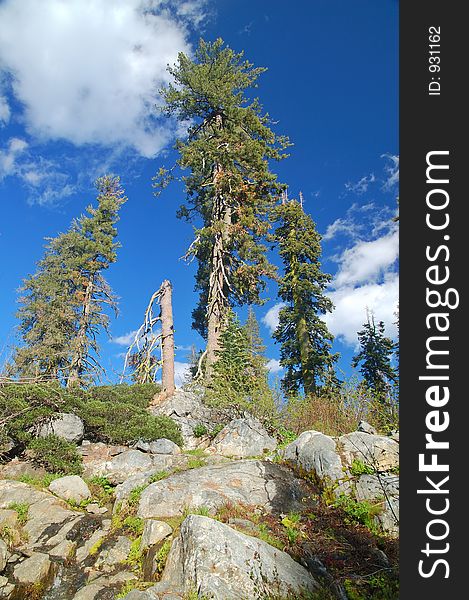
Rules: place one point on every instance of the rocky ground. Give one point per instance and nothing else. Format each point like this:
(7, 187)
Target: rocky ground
(226, 517)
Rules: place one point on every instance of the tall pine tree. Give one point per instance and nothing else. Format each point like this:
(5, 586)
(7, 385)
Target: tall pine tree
(229, 185)
(304, 337)
(63, 306)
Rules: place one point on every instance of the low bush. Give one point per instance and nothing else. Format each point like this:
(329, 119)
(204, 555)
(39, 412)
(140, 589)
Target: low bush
(112, 413)
(56, 455)
(123, 422)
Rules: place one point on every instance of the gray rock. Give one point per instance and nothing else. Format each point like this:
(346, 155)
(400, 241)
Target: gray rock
(365, 427)
(224, 564)
(383, 489)
(45, 519)
(154, 532)
(124, 465)
(17, 468)
(315, 453)
(379, 452)
(64, 550)
(249, 482)
(6, 588)
(70, 487)
(8, 518)
(139, 595)
(114, 555)
(4, 555)
(66, 426)
(161, 446)
(92, 543)
(89, 592)
(242, 438)
(34, 569)
(187, 410)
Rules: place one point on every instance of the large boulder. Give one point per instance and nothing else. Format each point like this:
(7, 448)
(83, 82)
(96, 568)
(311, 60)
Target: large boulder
(154, 532)
(123, 465)
(161, 446)
(188, 411)
(64, 425)
(242, 438)
(376, 451)
(224, 564)
(257, 482)
(315, 454)
(70, 487)
(382, 489)
(46, 514)
(33, 570)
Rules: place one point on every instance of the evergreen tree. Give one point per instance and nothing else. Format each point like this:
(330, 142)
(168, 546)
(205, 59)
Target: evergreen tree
(251, 327)
(63, 303)
(374, 357)
(240, 377)
(229, 187)
(98, 251)
(305, 340)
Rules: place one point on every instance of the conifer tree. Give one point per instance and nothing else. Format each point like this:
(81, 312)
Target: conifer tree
(229, 185)
(304, 337)
(374, 357)
(63, 306)
(240, 375)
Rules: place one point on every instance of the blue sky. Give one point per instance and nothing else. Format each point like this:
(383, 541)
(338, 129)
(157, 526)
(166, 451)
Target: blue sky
(78, 87)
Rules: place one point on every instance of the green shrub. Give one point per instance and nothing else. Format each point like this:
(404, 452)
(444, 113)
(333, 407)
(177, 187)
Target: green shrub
(200, 430)
(138, 394)
(112, 414)
(358, 467)
(56, 455)
(359, 512)
(120, 423)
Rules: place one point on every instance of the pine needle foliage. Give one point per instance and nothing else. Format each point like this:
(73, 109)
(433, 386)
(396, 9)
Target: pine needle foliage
(304, 337)
(63, 305)
(240, 380)
(229, 185)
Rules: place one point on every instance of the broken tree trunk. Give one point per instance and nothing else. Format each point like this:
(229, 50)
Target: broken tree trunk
(167, 339)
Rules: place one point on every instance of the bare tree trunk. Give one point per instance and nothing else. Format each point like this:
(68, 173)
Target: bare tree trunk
(78, 356)
(167, 339)
(218, 303)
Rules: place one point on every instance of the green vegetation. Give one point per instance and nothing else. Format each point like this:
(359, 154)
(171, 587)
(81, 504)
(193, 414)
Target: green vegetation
(56, 455)
(21, 510)
(229, 187)
(161, 557)
(62, 307)
(363, 512)
(239, 380)
(305, 340)
(112, 414)
(134, 525)
(358, 468)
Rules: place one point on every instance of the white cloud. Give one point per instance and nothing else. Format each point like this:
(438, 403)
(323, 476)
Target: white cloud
(352, 303)
(181, 373)
(88, 71)
(124, 340)
(270, 319)
(273, 366)
(366, 262)
(9, 157)
(361, 186)
(45, 182)
(4, 111)
(392, 171)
